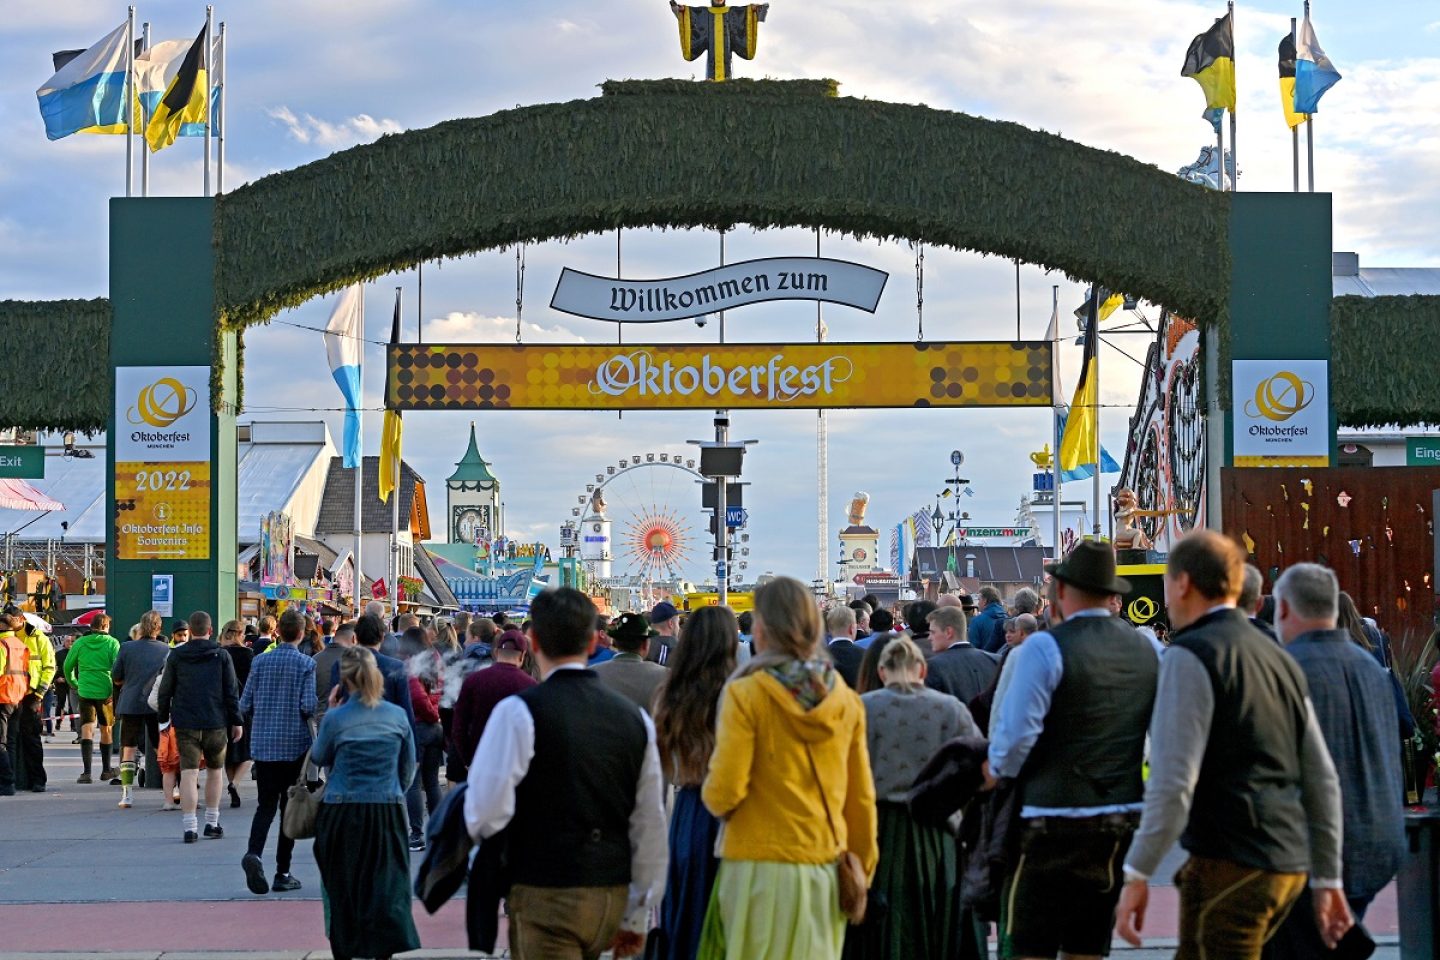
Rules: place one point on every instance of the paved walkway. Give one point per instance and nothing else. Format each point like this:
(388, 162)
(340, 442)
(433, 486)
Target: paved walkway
(80, 877)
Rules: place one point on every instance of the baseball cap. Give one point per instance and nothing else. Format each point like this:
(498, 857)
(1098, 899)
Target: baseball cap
(664, 610)
(513, 640)
(179, 625)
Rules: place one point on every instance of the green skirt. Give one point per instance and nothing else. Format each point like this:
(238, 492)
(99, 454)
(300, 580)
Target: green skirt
(912, 905)
(761, 910)
(365, 879)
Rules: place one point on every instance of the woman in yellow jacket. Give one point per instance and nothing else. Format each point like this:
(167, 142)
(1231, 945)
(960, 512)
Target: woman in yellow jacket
(790, 778)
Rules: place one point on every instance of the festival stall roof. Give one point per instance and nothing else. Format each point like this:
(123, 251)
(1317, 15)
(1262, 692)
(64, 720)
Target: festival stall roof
(993, 565)
(284, 468)
(1351, 279)
(337, 507)
(79, 484)
(439, 593)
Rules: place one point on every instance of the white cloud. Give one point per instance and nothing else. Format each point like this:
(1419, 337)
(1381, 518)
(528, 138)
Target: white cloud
(308, 128)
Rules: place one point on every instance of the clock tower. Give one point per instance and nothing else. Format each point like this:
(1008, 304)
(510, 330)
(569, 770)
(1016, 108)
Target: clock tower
(472, 499)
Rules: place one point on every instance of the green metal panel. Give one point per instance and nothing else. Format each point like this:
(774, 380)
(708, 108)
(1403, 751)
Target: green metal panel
(162, 270)
(1280, 284)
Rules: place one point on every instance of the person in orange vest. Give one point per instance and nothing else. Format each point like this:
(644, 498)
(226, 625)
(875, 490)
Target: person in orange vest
(14, 686)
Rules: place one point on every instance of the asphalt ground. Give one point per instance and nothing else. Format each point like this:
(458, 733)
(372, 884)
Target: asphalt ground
(80, 877)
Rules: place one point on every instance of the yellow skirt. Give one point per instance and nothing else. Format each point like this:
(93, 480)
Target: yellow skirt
(760, 910)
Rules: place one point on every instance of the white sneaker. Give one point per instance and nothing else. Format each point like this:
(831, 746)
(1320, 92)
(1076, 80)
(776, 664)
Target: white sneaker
(125, 802)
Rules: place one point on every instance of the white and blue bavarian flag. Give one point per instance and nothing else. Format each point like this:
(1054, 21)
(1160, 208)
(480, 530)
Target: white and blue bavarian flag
(87, 92)
(1314, 73)
(344, 342)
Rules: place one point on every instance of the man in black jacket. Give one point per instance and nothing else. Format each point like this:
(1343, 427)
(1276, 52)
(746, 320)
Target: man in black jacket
(840, 625)
(199, 695)
(957, 667)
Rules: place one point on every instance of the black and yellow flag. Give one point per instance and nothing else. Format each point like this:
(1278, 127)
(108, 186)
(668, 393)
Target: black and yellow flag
(392, 431)
(1287, 82)
(1210, 61)
(1080, 444)
(186, 100)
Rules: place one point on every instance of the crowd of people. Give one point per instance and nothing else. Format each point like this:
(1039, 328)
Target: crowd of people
(801, 781)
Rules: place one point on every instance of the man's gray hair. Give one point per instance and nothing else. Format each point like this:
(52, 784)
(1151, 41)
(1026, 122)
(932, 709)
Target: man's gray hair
(1026, 624)
(1311, 591)
(1025, 601)
(1250, 586)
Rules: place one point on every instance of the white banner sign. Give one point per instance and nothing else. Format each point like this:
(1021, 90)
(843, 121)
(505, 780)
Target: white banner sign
(723, 288)
(1282, 413)
(162, 414)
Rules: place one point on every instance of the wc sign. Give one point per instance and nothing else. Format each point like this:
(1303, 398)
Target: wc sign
(1422, 452)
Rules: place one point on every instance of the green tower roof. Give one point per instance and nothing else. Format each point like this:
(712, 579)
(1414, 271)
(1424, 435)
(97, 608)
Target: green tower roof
(472, 467)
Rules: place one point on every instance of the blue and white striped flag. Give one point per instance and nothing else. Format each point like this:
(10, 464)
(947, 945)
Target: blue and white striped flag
(344, 345)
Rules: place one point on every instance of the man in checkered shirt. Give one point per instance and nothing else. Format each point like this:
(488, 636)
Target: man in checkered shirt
(278, 702)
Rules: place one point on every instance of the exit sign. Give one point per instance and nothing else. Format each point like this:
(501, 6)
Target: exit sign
(1422, 452)
(22, 463)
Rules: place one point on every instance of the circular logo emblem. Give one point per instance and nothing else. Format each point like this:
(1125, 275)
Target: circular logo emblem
(162, 403)
(1141, 610)
(1280, 397)
(860, 553)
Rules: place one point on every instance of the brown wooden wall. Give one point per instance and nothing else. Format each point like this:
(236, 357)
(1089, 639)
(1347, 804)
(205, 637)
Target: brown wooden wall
(1380, 542)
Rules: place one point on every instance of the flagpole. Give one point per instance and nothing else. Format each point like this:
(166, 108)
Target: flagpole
(1220, 151)
(130, 104)
(1234, 156)
(1056, 400)
(224, 126)
(145, 117)
(359, 461)
(1095, 319)
(1294, 131)
(394, 583)
(1309, 124)
(209, 74)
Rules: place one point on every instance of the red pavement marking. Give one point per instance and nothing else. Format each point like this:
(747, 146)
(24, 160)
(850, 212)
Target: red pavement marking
(261, 925)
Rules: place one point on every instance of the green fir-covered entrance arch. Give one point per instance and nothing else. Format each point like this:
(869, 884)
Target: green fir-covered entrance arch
(681, 154)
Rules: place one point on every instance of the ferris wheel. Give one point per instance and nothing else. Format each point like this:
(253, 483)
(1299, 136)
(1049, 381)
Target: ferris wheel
(635, 517)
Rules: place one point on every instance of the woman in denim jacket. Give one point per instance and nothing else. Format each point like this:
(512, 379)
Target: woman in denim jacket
(360, 834)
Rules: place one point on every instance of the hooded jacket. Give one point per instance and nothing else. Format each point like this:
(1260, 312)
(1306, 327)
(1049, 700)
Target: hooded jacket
(763, 784)
(87, 665)
(198, 689)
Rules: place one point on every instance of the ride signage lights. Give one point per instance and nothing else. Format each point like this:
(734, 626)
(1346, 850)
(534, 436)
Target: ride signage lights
(723, 288)
(711, 376)
(1282, 413)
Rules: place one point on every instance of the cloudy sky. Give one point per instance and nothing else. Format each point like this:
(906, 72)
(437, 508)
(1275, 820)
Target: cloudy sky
(308, 77)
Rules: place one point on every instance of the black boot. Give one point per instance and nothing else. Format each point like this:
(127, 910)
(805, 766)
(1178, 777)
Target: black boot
(87, 756)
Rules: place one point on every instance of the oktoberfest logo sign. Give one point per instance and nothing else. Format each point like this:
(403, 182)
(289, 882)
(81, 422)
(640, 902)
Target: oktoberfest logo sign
(710, 376)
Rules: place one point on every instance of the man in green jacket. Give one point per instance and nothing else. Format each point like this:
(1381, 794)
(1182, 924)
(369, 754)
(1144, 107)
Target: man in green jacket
(87, 668)
(26, 732)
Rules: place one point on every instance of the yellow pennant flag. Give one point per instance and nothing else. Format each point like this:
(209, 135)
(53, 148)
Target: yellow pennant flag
(1080, 443)
(389, 477)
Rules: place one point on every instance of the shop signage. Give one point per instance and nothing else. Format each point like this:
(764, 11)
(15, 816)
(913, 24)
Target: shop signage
(1422, 452)
(1281, 413)
(971, 532)
(710, 376)
(723, 288)
(22, 463)
(162, 463)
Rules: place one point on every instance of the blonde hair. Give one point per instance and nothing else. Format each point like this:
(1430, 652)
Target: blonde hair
(361, 676)
(135, 632)
(151, 624)
(901, 657)
(788, 617)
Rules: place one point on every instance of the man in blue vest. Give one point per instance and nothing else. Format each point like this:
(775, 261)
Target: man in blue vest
(1239, 764)
(570, 769)
(1070, 730)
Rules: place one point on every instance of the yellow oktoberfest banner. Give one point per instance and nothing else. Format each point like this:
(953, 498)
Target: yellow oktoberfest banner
(710, 376)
